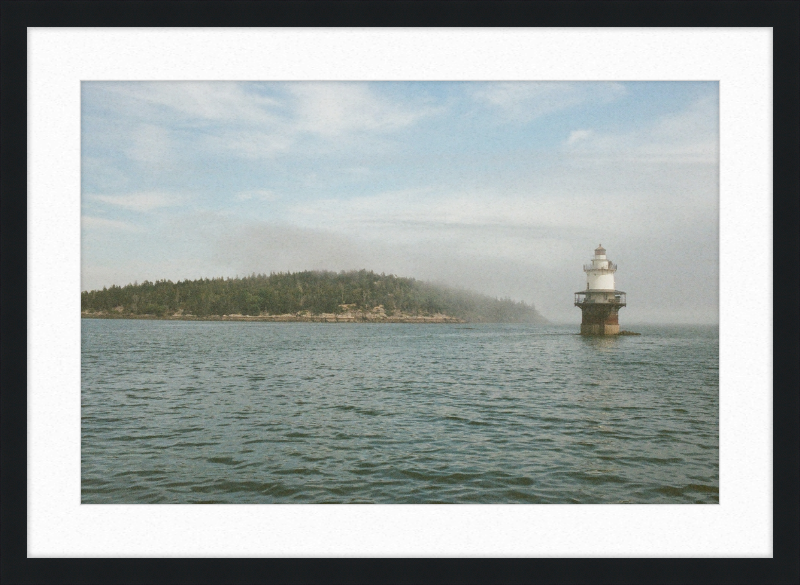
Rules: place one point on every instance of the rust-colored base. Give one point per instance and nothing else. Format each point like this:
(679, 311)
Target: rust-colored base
(600, 319)
(599, 329)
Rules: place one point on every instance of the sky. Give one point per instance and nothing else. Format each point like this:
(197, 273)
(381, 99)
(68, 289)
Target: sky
(504, 188)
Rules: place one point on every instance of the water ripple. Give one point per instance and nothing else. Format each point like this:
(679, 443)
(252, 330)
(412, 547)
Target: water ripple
(217, 412)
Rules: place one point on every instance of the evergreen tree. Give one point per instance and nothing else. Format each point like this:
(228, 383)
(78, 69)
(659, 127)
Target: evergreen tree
(314, 292)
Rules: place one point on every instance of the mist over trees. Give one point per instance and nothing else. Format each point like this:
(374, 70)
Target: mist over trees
(313, 291)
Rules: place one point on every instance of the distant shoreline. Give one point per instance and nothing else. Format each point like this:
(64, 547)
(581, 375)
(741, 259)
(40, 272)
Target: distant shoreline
(366, 317)
(311, 296)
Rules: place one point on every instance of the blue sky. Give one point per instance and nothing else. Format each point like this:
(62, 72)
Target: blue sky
(504, 188)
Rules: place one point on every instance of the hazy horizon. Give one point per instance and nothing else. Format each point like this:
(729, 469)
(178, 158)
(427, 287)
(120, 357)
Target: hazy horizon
(501, 188)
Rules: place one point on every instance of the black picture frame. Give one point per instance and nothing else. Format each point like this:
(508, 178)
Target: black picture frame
(783, 17)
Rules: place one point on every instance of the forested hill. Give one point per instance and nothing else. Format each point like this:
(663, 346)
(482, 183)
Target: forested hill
(297, 293)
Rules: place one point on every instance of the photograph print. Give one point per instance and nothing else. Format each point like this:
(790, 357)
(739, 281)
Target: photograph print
(399, 292)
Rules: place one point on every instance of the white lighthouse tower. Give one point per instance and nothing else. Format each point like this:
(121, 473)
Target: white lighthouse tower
(601, 301)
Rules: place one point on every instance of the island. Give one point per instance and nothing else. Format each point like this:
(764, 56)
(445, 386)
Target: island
(313, 296)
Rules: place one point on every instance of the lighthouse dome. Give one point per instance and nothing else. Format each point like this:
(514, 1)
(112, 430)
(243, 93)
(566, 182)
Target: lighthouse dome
(600, 250)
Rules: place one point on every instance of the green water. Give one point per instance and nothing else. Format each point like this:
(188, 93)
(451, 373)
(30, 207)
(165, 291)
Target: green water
(190, 412)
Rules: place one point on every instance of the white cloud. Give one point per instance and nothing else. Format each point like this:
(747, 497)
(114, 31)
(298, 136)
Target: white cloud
(204, 100)
(146, 201)
(251, 144)
(578, 135)
(525, 101)
(473, 218)
(90, 222)
(239, 118)
(257, 194)
(690, 136)
(327, 110)
(332, 109)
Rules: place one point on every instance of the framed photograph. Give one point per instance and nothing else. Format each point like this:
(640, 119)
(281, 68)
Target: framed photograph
(403, 334)
(404, 292)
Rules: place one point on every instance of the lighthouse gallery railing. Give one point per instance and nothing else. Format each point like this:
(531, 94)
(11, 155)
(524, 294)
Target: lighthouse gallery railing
(581, 298)
(611, 267)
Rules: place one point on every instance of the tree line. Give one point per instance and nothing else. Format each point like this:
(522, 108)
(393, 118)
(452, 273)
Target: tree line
(314, 291)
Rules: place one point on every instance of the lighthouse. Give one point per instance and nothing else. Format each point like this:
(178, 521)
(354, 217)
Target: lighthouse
(601, 301)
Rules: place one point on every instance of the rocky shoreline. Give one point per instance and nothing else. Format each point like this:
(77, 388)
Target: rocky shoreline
(374, 316)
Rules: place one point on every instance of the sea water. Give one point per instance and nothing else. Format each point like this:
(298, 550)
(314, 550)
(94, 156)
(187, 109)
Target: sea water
(236, 412)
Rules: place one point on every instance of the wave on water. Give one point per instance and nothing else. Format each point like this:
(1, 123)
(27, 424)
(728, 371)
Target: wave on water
(209, 412)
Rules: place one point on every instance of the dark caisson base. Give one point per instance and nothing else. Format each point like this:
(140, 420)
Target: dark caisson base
(599, 329)
(600, 319)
